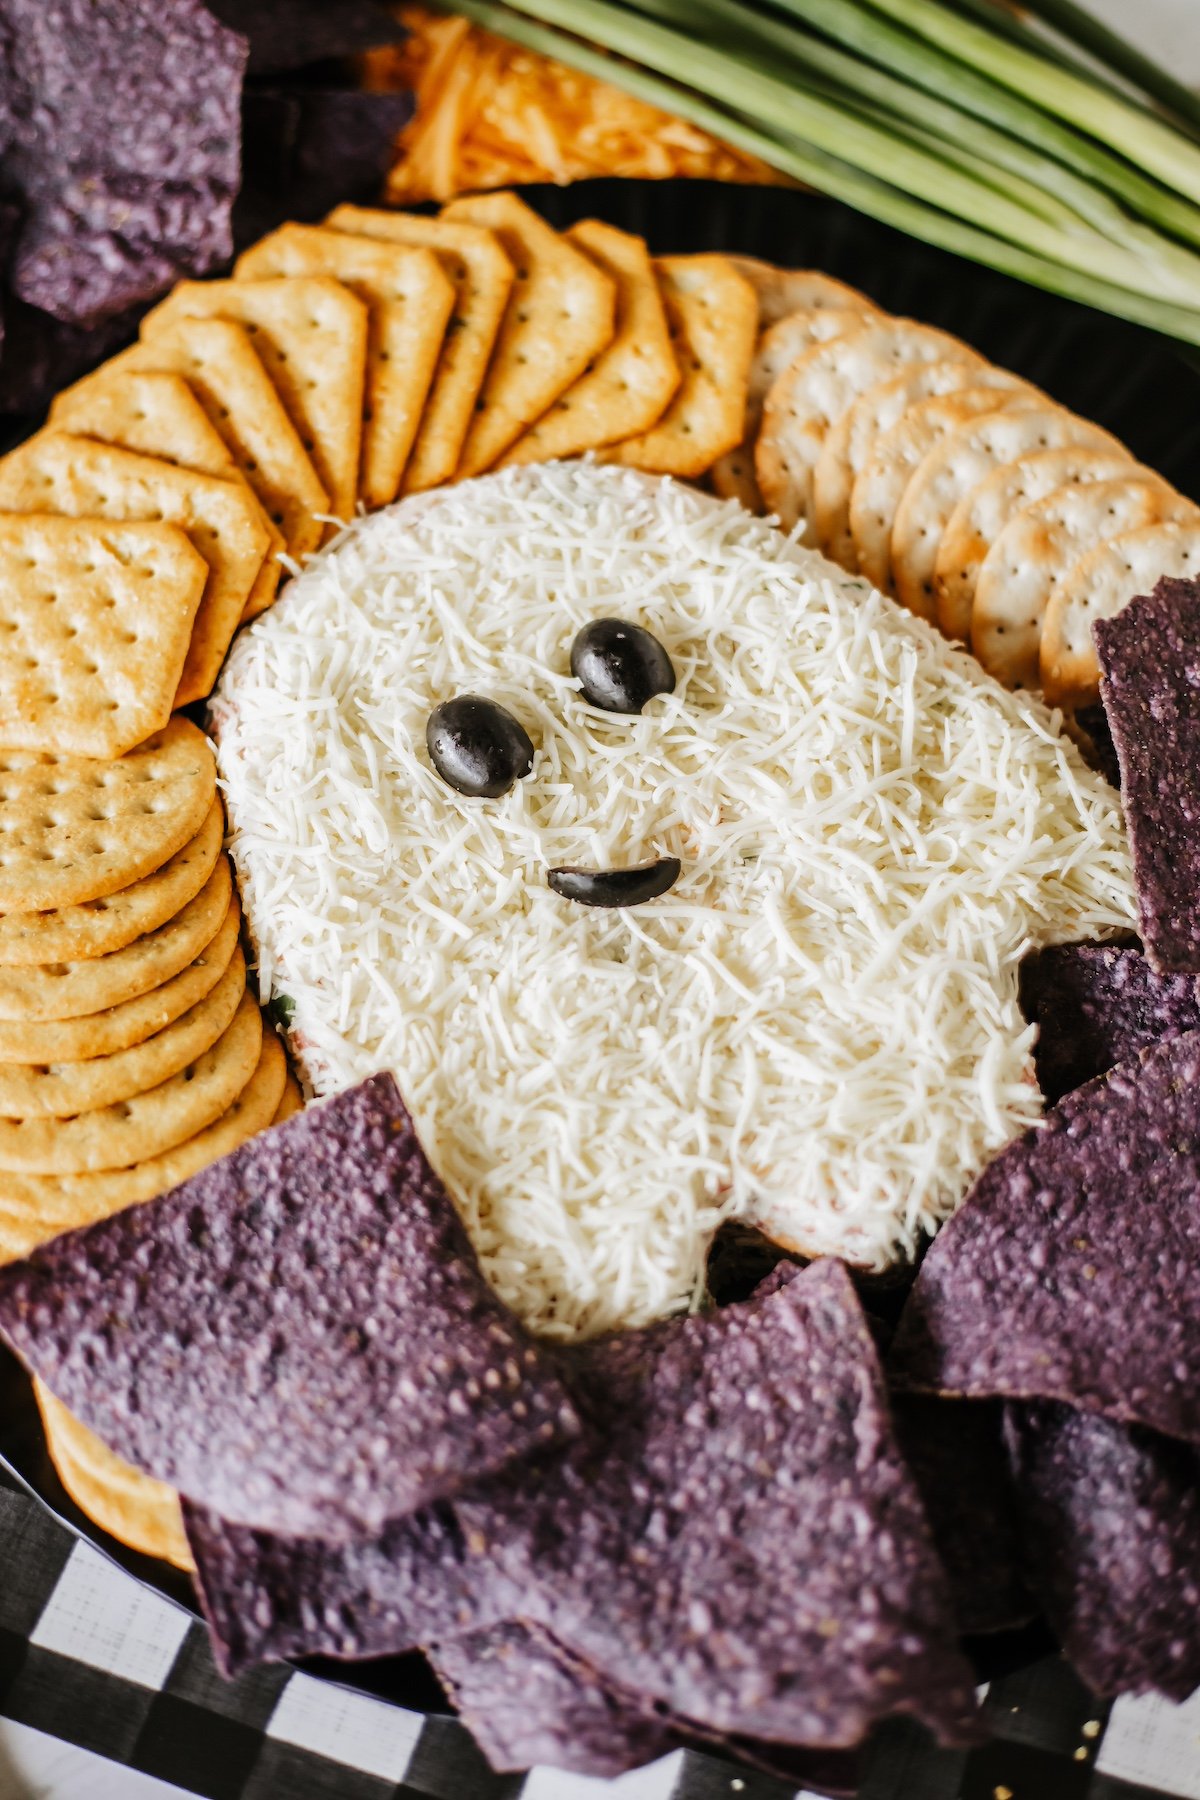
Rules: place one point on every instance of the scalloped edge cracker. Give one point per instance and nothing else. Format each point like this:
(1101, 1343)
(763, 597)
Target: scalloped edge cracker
(1100, 586)
(713, 315)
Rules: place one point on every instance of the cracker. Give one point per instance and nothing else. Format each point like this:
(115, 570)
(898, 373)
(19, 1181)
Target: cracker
(949, 472)
(811, 396)
(1037, 547)
(36, 1208)
(712, 316)
(99, 1034)
(76, 829)
(409, 300)
(879, 488)
(981, 515)
(96, 620)
(783, 291)
(70, 990)
(78, 477)
(482, 276)
(217, 359)
(292, 1101)
(628, 386)
(93, 928)
(310, 334)
(1100, 586)
(559, 317)
(779, 345)
(60, 1090)
(134, 1130)
(851, 441)
(131, 1507)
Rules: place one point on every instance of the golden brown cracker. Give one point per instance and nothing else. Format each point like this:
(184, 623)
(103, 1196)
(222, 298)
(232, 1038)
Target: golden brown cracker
(81, 478)
(409, 300)
(134, 1508)
(95, 623)
(75, 829)
(35, 1208)
(102, 1033)
(559, 317)
(628, 386)
(292, 1101)
(310, 333)
(712, 313)
(482, 276)
(95, 927)
(62, 1089)
(145, 1125)
(71, 990)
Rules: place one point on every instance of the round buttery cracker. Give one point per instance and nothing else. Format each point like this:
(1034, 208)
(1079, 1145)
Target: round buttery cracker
(811, 396)
(98, 927)
(850, 443)
(73, 829)
(1038, 547)
(117, 1027)
(981, 515)
(131, 1507)
(134, 1130)
(732, 475)
(879, 488)
(783, 291)
(70, 990)
(36, 1208)
(292, 1102)
(1099, 586)
(63, 1089)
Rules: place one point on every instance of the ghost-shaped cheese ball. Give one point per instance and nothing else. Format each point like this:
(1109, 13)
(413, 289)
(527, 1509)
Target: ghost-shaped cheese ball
(815, 1029)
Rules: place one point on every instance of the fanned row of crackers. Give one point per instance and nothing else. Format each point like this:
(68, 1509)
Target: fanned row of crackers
(341, 365)
(955, 486)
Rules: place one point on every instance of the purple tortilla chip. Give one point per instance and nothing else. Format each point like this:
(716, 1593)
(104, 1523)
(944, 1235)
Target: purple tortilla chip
(1112, 1537)
(1150, 685)
(1072, 1271)
(738, 1540)
(286, 34)
(298, 1337)
(526, 1701)
(955, 1451)
(1099, 751)
(125, 148)
(1096, 1005)
(309, 148)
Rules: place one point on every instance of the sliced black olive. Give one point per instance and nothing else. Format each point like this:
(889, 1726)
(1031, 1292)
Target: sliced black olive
(616, 887)
(477, 747)
(620, 666)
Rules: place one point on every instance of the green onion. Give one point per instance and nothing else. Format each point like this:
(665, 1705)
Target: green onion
(922, 140)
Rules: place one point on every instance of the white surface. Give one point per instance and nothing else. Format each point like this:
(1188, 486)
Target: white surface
(36, 1767)
(1154, 1744)
(1168, 30)
(98, 1616)
(326, 1720)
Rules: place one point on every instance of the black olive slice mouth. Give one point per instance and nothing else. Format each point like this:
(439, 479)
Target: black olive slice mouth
(616, 887)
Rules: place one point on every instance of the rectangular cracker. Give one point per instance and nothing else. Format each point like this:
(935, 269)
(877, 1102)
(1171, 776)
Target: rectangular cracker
(713, 315)
(409, 300)
(102, 614)
(483, 278)
(311, 335)
(79, 478)
(559, 317)
(157, 414)
(629, 385)
(217, 359)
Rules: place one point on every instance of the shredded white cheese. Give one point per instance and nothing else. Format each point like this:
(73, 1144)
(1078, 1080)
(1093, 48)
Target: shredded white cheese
(816, 1029)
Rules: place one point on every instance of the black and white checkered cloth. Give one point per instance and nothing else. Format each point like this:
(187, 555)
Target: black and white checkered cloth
(91, 1656)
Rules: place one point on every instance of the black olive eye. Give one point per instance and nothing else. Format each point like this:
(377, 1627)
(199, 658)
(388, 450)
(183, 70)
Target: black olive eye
(477, 747)
(619, 666)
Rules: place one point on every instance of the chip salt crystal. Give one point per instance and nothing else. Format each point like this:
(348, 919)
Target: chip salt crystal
(816, 1029)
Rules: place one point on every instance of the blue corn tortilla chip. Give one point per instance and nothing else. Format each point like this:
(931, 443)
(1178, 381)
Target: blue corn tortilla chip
(307, 148)
(1149, 659)
(124, 148)
(287, 34)
(1096, 742)
(1111, 1531)
(1072, 1271)
(299, 1337)
(955, 1452)
(737, 1538)
(1096, 1005)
